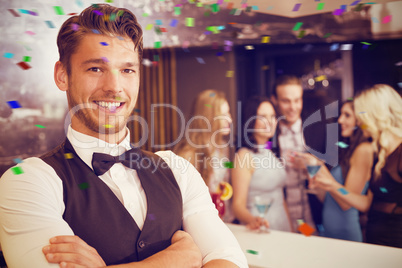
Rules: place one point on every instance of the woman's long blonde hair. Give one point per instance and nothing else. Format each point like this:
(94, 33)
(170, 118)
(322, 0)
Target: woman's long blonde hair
(207, 105)
(379, 109)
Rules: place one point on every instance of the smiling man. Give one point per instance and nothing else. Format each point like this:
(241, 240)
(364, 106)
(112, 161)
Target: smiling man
(88, 203)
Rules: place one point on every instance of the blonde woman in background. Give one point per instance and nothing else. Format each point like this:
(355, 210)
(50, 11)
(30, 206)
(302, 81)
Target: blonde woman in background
(379, 113)
(206, 141)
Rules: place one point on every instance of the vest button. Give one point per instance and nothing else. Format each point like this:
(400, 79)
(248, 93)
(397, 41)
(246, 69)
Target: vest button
(141, 244)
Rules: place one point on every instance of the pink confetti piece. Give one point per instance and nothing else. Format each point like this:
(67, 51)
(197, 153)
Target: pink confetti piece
(386, 19)
(30, 32)
(75, 26)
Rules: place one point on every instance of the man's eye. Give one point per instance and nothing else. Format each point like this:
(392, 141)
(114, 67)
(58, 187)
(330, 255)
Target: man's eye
(94, 69)
(128, 71)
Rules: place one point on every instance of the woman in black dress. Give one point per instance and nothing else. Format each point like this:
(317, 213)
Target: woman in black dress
(379, 113)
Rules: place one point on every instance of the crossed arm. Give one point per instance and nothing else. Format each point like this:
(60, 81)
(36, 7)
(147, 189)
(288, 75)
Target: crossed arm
(73, 252)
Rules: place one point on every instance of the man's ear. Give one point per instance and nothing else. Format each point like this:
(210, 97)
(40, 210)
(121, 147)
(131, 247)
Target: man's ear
(60, 76)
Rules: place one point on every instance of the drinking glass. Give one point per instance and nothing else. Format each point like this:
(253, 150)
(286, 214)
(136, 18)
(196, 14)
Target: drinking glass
(263, 203)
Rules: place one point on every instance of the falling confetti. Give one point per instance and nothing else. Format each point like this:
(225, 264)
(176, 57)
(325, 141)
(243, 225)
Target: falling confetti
(14, 104)
(104, 43)
(229, 73)
(268, 145)
(338, 12)
(50, 24)
(58, 10)
(108, 126)
(40, 126)
(8, 55)
(95, 31)
(68, 156)
(320, 6)
(158, 44)
(75, 27)
(306, 229)
(249, 47)
(254, 252)
(17, 170)
(386, 19)
(200, 60)
(83, 185)
(15, 13)
(384, 190)
(265, 39)
(342, 144)
(17, 160)
(26, 59)
(104, 59)
(296, 7)
(208, 105)
(343, 191)
(190, 22)
(228, 164)
(297, 26)
(97, 12)
(24, 65)
(174, 22)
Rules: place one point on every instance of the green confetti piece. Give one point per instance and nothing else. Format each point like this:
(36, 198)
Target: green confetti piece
(26, 58)
(215, 8)
(320, 6)
(156, 57)
(145, 14)
(228, 164)
(365, 43)
(297, 26)
(350, 99)
(83, 185)
(190, 22)
(158, 44)
(177, 10)
(300, 222)
(109, 1)
(149, 27)
(327, 35)
(254, 252)
(58, 10)
(40, 126)
(199, 4)
(208, 105)
(17, 170)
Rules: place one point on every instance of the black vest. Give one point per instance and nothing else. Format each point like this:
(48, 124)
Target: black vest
(98, 217)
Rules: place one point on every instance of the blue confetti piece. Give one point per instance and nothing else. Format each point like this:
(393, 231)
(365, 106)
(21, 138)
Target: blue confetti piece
(104, 43)
(8, 55)
(174, 22)
(342, 144)
(334, 47)
(14, 104)
(158, 22)
(23, 11)
(255, 7)
(343, 191)
(384, 190)
(355, 3)
(343, 7)
(17, 160)
(50, 24)
(200, 60)
(95, 31)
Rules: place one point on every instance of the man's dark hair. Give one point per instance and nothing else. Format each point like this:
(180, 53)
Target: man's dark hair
(100, 19)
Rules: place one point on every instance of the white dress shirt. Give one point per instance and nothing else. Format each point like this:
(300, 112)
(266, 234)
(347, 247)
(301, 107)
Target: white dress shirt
(32, 207)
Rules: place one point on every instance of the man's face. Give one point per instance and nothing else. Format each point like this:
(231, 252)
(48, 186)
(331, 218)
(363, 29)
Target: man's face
(290, 102)
(105, 80)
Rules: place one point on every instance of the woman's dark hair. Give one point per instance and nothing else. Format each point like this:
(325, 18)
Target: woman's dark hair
(353, 141)
(249, 113)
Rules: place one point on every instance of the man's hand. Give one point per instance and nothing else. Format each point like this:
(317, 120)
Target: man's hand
(72, 252)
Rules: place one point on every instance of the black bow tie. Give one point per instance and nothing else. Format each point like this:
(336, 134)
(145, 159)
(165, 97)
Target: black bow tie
(101, 163)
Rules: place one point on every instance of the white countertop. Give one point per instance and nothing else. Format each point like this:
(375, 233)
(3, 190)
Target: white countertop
(289, 250)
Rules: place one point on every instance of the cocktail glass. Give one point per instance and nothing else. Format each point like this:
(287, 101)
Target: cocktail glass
(262, 204)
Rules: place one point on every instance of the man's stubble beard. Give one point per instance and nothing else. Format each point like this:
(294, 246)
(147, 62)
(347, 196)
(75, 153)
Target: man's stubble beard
(84, 116)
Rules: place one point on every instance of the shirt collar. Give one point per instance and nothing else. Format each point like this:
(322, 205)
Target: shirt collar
(85, 145)
(295, 128)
